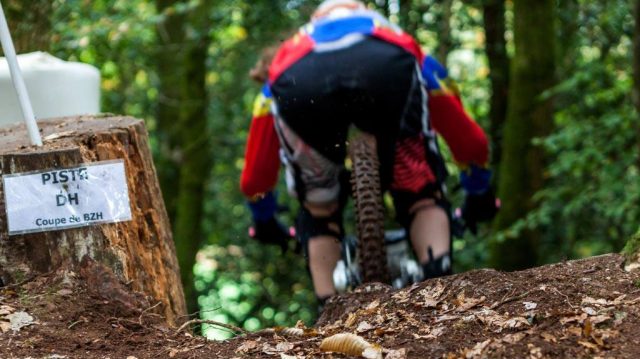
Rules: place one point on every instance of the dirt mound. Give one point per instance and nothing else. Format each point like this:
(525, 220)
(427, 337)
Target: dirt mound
(586, 308)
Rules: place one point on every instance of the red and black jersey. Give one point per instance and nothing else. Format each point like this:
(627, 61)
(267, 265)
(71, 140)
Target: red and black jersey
(447, 117)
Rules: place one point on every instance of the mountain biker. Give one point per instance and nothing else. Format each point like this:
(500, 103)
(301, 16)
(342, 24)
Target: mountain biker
(350, 65)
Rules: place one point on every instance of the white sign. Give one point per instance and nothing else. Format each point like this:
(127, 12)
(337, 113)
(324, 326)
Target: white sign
(65, 198)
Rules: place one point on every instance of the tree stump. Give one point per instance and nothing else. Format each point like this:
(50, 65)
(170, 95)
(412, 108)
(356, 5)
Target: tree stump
(139, 251)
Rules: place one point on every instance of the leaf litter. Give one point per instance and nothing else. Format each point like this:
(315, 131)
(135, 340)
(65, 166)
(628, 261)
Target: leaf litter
(542, 312)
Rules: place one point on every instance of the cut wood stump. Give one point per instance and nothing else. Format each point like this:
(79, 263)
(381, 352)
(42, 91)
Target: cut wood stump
(140, 252)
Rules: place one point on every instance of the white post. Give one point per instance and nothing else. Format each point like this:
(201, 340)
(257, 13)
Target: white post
(18, 81)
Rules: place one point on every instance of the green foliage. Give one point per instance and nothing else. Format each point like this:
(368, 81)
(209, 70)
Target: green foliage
(589, 206)
(632, 247)
(116, 37)
(261, 287)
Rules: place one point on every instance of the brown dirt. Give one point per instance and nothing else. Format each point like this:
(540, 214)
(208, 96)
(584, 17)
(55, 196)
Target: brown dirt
(577, 309)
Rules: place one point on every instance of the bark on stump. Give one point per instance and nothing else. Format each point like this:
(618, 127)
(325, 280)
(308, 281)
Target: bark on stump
(140, 251)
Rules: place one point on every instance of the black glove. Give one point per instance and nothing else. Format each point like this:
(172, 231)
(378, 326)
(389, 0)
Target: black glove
(271, 231)
(479, 208)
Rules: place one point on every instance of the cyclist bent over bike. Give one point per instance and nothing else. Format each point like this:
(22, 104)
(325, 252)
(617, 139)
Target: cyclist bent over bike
(350, 65)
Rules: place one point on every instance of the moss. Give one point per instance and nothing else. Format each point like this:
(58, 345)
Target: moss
(632, 247)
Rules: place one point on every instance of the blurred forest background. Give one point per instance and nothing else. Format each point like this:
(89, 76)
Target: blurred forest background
(552, 82)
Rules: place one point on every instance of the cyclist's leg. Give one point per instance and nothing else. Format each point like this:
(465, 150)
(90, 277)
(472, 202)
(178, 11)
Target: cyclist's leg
(418, 197)
(430, 234)
(425, 215)
(317, 183)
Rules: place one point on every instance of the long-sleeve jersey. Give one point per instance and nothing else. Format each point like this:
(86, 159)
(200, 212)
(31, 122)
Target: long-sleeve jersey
(467, 141)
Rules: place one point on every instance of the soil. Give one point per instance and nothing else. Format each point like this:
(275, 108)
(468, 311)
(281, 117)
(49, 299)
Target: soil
(576, 309)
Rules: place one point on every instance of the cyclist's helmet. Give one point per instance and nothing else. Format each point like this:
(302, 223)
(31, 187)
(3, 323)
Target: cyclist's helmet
(336, 8)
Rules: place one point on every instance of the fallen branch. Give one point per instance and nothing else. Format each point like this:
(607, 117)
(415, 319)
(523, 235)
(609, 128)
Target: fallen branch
(199, 312)
(233, 328)
(510, 299)
(146, 310)
(76, 322)
(566, 297)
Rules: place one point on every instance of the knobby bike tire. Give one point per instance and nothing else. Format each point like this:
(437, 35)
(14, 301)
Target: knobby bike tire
(367, 195)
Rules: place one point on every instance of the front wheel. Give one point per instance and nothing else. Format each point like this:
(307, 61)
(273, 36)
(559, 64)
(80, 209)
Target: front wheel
(369, 208)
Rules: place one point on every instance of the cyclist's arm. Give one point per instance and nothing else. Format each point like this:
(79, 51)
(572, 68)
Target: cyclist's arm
(465, 138)
(260, 172)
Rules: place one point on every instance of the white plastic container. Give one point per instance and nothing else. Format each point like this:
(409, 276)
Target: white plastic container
(56, 88)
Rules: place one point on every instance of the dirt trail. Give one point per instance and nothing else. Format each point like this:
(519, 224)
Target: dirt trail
(576, 309)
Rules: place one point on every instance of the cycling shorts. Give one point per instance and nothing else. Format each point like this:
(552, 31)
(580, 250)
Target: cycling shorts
(372, 84)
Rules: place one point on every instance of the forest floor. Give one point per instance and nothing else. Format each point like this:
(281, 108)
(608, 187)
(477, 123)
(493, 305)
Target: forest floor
(576, 309)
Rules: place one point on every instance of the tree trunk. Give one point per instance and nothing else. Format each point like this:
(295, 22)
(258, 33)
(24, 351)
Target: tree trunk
(29, 24)
(496, 49)
(632, 248)
(636, 57)
(169, 58)
(139, 251)
(529, 116)
(183, 131)
(444, 34)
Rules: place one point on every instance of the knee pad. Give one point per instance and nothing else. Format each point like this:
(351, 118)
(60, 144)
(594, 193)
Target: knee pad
(308, 226)
(403, 201)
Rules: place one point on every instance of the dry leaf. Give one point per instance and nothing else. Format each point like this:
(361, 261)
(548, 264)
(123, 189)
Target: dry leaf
(430, 296)
(513, 338)
(460, 298)
(351, 320)
(477, 350)
(587, 328)
(5, 326)
(5, 310)
(64, 292)
(549, 337)
(429, 303)
(372, 353)
(284, 347)
(364, 327)
(592, 301)
(534, 352)
(438, 331)
(295, 332)
(350, 344)
(598, 341)
(247, 346)
(588, 344)
(379, 332)
(470, 303)
(599, 319)
(401, 297)
(446, 317)
(577, 331)
(515, 322)
(530, 305)
(19, 320)
(285, 356)
(373, 305)
(578, 318)
(396, 354)
(607, 333)
(589, 310)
